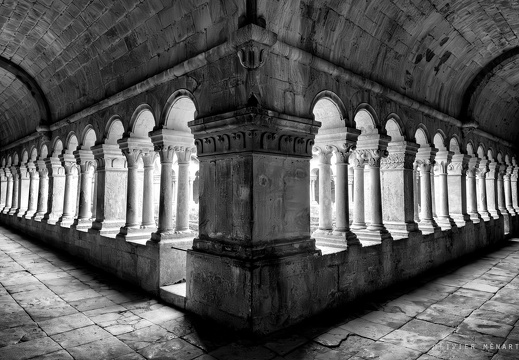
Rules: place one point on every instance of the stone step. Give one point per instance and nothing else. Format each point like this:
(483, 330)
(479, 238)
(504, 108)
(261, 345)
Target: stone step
(174, 294)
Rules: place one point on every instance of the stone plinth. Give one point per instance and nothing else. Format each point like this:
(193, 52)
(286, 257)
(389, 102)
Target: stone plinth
(254, 218)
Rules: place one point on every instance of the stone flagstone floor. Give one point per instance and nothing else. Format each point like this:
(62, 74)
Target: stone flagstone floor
(55, 307)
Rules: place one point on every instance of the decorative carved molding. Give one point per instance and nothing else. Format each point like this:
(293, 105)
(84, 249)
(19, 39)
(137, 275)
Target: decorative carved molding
(166, 152)
(324, 154)
(399, 160)
(424, 165)
(343, 153)
(251, 56)
(254, 140)
(457, 168)
(370, 157)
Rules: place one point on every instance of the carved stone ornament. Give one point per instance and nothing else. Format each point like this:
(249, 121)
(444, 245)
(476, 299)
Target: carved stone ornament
(424, 165)
(342, 153)
(457, 168)
(398, 160)
(254, 140)
(251, 56)
(370, 157)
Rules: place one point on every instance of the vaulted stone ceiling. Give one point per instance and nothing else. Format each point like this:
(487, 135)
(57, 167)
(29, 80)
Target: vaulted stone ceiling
(80, 52)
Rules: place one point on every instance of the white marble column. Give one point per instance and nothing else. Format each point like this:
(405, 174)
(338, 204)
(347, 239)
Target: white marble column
(507, 180)
(313, 179)
(441, 189)
(183, 195)
(86, 164)
(481, 175)
(3, 188)
(111, 185)
(132, 201)
(148, 218)
(23, 195)
(424, 162)
(358, 192)
(15, 171)
(8, 191)
(342, 216)
(398, 179)
(416, 193)
(165, 226)
(472, 207)
(34, 185)
(324, 155)
(457, 189)
(43, 191)
(515, 191)
(56, 189)
(500, 190)
(71, 184)
(491, 184)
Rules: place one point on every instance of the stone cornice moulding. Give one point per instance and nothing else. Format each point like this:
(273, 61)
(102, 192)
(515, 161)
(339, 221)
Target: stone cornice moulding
(277, 47)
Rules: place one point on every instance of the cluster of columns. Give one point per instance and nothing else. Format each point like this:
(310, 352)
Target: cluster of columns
(400, 187)
(60, 189)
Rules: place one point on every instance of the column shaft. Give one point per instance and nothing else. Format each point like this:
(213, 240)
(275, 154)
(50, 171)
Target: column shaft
(148, 218)
(182, 218)
(358, 200)
(33, 193)
(85, 194)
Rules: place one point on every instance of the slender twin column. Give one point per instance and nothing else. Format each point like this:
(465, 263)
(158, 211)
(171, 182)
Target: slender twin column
(165, 226)
(397, 180)
(86, 164)
(56, 189)
(313, 179)
(23, 195)
(342, 218)
(492, 191)
(482, 189)
(8, 190)
(359, 222)
(148, 218)
(424, 162)
(15, 171)
(457, 188)
(370, 149)
(472, 207)
(324, 154)
(3, 188)
(507, 176)
(71, 184)
(43, 191)
(183, 195)
(513, 184)
(441, 190)
(132, 201)
(416, 192)
(34, 185)
(501, 204)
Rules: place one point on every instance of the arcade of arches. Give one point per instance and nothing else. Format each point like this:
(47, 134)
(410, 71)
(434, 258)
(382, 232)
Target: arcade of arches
(251, 172)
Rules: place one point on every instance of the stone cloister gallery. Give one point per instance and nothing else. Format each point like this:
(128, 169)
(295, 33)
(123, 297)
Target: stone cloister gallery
(259, 162)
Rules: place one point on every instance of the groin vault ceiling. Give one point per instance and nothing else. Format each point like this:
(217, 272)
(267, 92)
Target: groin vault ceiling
(459, 57)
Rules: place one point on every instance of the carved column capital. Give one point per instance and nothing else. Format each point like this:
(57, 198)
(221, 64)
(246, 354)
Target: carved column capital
(370, 157)
(323, 153)
(343, 152)
(166, 152)
(184, 153)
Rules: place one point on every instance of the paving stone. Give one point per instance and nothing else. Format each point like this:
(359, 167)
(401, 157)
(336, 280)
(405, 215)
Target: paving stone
(438, 315)
(92, 303)
(236, 351)
(80, 336)
(333, 337)
(58, 355)
(458, 305)
(367, 328)
(284, 344)
(393, 320)
(172, 349)
(146, 336)
(65, 323)
(161, 315)
(19, 334)
(485, 327)
(501, 307)
(108, 348)
(180, 326)
(13, 319)
(514, 334)
(473, 338)
(449, 350)
(80, 295)
(29, 349)
(496, 316)
(409, 308)
(386, 351)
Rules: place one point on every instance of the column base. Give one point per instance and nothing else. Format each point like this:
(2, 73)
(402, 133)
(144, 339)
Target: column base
(429, 227)
(12, 211)
(82, 224)
(20, 212)
(331, 239)
(485, 216)
(461, 219)
(512, 211)
(475, 218)
(401, 230)
(372, 237)
(38, 217)
(29, 215)
(446, 223)
(65, 222)
(110, 227)
(129, 234)
(171, 234)
(51, 220)
(236, 292)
